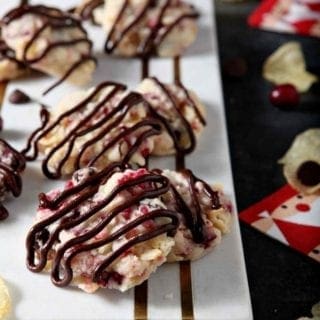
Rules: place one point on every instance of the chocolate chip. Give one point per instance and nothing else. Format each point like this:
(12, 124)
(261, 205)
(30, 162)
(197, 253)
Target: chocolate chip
(309, 173)
(235, 67)
(3, 213)
(19, 97)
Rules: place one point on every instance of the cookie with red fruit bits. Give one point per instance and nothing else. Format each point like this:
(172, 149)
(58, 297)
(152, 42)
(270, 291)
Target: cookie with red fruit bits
(164, 28)
(108, 229)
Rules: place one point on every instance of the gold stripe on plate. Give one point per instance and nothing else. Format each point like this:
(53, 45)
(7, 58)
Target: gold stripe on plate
(176, 70)
(141, 301)
(186, 291)
(3, 86)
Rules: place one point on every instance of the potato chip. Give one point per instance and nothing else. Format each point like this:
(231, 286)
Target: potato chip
(316, 310)
(302, 162)
(287, 65)
(5, 301)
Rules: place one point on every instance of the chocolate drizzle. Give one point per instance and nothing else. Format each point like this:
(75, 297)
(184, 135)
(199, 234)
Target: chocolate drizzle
(181, 151)
(86, 126)
(192, 213)
(10, 173)
(66, 206)
(87, 11)
(157, 33)
(19, 97)
(7, 53)
(57, 20)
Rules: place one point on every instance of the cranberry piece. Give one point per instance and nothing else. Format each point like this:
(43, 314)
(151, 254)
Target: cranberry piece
(284, 96)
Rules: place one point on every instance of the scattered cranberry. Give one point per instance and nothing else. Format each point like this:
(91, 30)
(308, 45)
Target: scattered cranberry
(284, 96)
(235, 67)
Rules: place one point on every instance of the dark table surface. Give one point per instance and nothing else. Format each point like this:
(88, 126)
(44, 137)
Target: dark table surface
(283, 283)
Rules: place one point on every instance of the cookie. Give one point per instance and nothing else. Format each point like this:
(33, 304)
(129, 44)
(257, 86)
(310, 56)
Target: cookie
(182, 112)
(113, 228)
(95, 128)
(51, 41)
(107, 229)
(147, 27)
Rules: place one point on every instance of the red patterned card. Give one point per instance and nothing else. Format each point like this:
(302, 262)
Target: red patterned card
(293, 16)
(290, 217)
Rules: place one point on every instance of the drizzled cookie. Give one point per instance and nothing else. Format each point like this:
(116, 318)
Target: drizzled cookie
(49, 40)
(149, 27)
(113, 228)
(104, 125)
(109, 124)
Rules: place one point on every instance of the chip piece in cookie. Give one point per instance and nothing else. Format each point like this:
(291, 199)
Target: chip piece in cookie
(301, 163)
(148, 27)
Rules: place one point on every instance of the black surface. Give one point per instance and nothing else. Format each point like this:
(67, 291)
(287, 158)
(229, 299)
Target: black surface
(283, 283)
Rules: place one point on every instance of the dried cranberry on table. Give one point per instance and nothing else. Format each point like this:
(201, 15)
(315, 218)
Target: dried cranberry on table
(284, 96)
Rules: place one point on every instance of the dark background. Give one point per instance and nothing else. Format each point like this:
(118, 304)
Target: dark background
(283, 283)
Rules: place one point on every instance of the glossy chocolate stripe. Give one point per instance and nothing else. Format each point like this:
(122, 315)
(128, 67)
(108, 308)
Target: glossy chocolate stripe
(147, 47)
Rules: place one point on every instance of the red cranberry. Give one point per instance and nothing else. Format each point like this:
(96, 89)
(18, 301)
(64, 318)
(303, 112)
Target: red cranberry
(284, 96)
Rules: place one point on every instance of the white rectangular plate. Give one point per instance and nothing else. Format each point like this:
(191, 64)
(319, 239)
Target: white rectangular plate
(219, 282)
